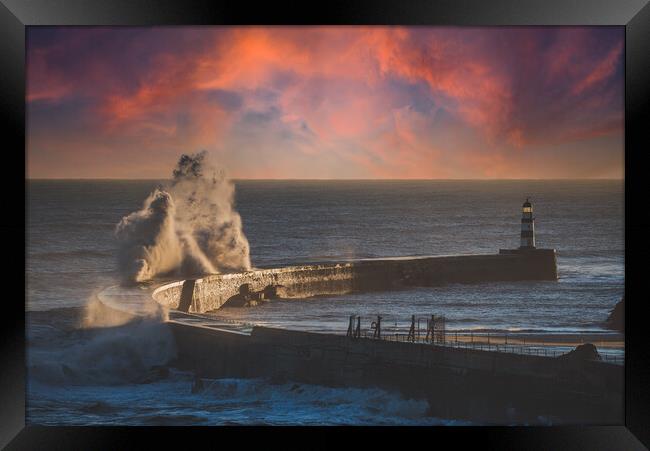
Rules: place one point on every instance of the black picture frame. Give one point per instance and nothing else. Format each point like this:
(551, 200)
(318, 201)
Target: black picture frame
(634, 15)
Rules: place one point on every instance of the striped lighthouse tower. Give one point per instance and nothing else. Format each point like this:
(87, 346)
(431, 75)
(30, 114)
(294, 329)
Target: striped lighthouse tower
(527, 227)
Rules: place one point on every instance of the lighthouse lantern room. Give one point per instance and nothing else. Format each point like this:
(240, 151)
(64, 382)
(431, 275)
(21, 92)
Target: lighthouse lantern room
(527, 226)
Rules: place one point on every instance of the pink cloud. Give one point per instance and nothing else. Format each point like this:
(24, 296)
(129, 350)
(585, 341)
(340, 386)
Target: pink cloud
(603, 70)
(354, 93)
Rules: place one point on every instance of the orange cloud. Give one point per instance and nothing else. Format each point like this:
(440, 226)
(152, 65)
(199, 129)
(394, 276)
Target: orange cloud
(383, 100)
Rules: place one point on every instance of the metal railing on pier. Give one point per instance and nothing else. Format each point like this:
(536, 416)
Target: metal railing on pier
(437, 334)
(430, 330)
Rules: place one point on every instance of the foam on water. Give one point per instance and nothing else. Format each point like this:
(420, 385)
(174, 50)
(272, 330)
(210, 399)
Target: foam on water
(226, 401)
(116, 374)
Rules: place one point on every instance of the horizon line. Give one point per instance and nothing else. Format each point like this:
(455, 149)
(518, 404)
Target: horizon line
(335, 179)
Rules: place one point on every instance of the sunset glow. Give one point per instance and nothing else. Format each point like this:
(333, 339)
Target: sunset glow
(327, 102)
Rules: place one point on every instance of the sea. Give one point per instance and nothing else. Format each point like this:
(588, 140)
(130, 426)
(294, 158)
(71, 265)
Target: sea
(121, 376)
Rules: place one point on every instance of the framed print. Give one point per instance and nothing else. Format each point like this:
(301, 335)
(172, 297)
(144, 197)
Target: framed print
(426, 215)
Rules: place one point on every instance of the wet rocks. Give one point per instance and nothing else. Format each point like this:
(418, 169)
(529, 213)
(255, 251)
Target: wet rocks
(616, 318)
(248, 298)
(583, 352)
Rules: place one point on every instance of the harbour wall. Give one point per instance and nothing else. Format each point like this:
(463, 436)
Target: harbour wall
(480, 386)
(212, 292)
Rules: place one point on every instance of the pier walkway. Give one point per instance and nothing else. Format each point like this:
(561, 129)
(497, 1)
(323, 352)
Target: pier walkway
(138, 301)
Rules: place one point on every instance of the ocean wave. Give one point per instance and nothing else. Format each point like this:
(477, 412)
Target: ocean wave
(171, 401)
(135, 352)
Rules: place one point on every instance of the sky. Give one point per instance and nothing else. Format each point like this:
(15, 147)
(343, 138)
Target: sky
(327, 102)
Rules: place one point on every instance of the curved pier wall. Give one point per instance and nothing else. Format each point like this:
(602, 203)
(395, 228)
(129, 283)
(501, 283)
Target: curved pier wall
(482, 386)
(212, 292)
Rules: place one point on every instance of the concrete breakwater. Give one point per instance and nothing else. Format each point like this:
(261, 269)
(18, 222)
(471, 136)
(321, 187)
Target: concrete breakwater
(481, 386)
(213, 292)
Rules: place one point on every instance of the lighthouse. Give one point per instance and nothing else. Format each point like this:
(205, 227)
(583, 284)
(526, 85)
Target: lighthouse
(527, 226)
(527, 261)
